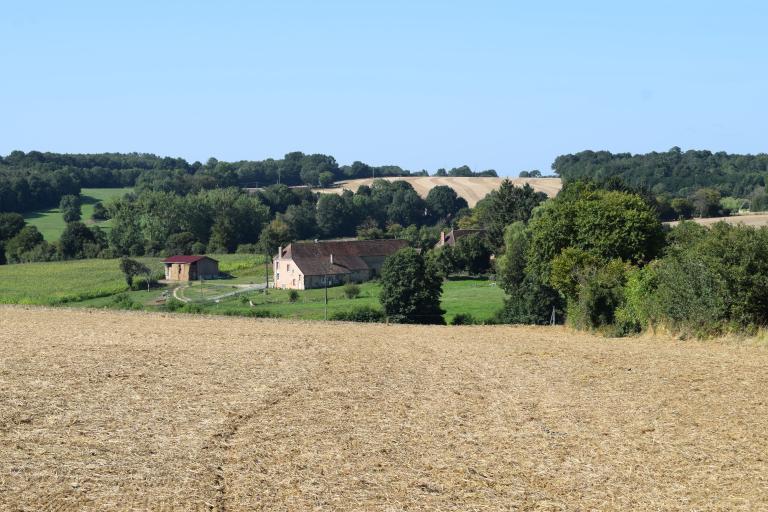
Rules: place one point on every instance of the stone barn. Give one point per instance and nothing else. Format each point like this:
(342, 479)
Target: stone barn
(190, 268)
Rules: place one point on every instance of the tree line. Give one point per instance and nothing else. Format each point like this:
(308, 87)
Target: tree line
(685, 184)
(36, 180)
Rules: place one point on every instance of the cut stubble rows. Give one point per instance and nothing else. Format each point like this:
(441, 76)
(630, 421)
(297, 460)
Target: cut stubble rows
(116, 411)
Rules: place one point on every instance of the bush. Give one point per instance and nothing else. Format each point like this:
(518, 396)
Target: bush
(600, 292)
(530, 302)
(123, 301)
(464, 319)
(360, 314)
(351, 290)
(144, 283)
(251, 313)
(293, 296)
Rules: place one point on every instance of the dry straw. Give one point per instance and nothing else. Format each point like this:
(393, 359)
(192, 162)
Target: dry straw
(135, 411)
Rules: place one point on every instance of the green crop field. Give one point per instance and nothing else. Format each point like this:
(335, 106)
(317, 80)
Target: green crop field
(75, 282)
(51, 224)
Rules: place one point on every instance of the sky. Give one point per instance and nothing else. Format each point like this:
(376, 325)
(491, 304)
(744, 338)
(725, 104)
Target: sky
(426, 84)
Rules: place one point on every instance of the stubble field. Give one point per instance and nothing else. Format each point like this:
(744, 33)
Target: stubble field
(472, 189)
(135, 411)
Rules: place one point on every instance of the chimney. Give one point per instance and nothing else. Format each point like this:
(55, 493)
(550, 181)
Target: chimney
(442, 237)
(279, 251)
(331, 258)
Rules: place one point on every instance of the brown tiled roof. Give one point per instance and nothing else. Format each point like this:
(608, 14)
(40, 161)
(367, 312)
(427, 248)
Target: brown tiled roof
(314, 258)
(186, 259)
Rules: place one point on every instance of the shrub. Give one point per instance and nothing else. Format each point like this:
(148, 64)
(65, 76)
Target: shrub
(122, 301)
(600, 292)
(293, 296)
(251, 313)
(360, 314)
(530, 302)
(351, 290)
(464, 319)
(143, 283)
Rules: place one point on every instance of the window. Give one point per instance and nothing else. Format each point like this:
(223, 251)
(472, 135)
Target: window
(277, 276)
(288, 266)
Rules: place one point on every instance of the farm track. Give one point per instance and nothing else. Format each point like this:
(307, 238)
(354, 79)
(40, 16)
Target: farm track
(136, 411)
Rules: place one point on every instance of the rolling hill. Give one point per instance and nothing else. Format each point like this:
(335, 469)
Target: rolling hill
(471, 189)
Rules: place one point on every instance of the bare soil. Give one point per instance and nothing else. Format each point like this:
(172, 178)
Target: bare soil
(136, 411)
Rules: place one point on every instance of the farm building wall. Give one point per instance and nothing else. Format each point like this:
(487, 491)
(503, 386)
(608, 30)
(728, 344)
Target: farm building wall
(207, 269)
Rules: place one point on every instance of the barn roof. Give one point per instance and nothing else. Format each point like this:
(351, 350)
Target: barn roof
(314, 258)
(186, 259)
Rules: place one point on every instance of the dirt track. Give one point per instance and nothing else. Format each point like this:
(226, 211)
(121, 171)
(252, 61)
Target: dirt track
(119, 411)
(471, 189)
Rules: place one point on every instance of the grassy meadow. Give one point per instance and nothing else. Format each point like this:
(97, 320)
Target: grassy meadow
(50, 223)
(80, 281)
(95, 283)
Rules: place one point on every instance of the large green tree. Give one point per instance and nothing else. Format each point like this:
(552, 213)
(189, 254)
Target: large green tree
(443, 203)
(504, 206)
(410, 290)
(609, 224)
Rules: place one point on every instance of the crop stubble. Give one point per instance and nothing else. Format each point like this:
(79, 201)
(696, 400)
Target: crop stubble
(119, 411)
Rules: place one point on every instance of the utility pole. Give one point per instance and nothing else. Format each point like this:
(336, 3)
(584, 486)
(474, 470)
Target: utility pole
(266, 273)
(325, 281)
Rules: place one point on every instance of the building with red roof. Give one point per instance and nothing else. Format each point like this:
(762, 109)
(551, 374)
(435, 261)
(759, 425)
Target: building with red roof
(190, 268)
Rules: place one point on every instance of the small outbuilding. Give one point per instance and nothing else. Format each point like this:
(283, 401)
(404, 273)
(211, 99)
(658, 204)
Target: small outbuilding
(190, 268)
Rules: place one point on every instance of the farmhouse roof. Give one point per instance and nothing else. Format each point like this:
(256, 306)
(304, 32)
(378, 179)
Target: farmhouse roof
(186, 259)
(338, 257)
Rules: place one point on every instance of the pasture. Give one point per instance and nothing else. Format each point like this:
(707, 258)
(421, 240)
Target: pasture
(83, 280)
(51, 224)
(478, 297)
(136, 411)
(471, 189)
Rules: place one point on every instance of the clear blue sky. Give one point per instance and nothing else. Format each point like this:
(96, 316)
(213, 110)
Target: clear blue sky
(423, 84)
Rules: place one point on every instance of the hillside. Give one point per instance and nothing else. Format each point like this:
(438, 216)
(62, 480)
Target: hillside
(757, 220)
(471, 189)
(117, 411)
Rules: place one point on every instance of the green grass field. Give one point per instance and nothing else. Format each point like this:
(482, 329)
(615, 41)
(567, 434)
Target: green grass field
(94, 283)
(479, 297)
(51, 224)
(78, 281)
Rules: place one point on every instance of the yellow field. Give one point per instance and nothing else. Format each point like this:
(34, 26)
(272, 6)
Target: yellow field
(471, 189)
(757, 220)
(135, 411)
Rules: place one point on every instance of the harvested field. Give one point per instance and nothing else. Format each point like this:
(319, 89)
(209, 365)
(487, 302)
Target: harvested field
(471, 189)
(135, 411)
(757, 220)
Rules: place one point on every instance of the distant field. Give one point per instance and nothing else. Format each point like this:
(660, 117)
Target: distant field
(471, 189)
(106, 411)
(51, 224)
(758, 219)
